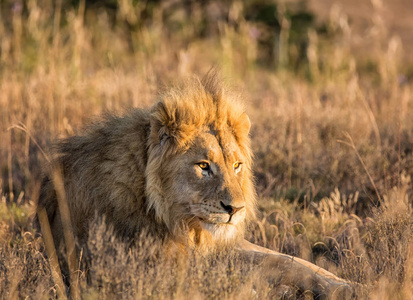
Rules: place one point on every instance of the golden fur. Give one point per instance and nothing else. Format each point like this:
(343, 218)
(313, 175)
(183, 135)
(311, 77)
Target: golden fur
(141, 170)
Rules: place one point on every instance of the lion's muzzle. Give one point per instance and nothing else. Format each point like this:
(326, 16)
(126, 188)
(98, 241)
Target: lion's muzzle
(231, 210)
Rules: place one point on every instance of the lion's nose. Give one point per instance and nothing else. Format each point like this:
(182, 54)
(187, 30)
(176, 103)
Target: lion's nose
(231, 209)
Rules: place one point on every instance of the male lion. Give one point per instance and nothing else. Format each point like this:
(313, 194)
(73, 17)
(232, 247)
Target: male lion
(180, 170)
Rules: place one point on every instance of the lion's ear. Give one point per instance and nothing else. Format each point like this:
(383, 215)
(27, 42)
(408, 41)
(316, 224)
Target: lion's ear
(160, 124)
(171, 125)
(241, 129)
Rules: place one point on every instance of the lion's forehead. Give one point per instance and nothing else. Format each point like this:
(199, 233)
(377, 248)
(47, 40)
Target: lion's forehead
(229, 144)
(218, 147)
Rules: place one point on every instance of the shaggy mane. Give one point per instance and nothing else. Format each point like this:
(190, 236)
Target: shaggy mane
(196, 106)
(214, 108)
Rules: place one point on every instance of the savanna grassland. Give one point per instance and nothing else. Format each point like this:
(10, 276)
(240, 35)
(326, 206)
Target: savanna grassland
(331, 106)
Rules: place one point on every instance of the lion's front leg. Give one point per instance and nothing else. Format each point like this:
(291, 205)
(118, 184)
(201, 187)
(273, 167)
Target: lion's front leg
(293, 271)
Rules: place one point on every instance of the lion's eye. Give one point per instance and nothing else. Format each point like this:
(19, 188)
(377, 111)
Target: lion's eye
(237, 166)
(204, 166)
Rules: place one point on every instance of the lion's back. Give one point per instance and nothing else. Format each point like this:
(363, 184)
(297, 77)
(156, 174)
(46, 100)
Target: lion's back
(104, 172)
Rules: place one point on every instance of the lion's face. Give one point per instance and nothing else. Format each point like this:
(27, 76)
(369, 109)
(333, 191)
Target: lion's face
(208, 183)
(199, 165)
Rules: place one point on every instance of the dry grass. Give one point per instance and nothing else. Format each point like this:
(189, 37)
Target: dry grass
(333, 143)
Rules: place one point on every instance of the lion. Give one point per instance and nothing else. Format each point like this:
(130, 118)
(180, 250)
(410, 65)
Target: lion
(182, 170)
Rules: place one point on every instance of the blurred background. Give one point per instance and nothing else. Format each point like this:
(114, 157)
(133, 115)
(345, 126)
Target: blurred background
(327, 85)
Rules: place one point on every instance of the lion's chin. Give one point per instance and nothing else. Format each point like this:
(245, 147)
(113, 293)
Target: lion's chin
(222, 232)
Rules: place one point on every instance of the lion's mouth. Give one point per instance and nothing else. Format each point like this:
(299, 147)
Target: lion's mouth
(205, 221)
(217, 223)
(220, 219)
